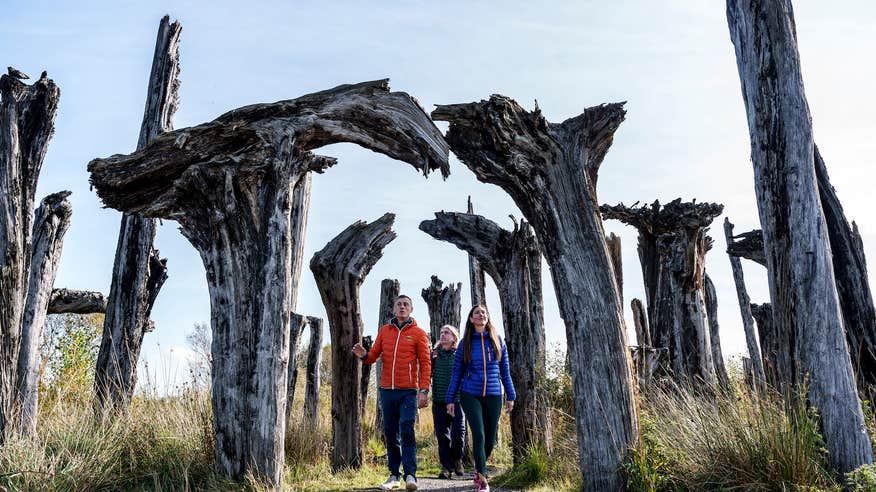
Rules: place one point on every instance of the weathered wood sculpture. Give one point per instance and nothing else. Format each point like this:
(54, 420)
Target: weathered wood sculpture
(672, 249)
(339, 269)
(550, 170)
(229, 185)
(775, 348)
(444, 306)
(27, 122)
(69, 301)
(314, 360)
(711, 300)
(138, 271)
(297, 324)
(613, 242)
(798, 254)
(512, 259)
(476, 274)
(50, 225)
(389, 291)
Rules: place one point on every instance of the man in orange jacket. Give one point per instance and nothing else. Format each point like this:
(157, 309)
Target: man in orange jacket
(403, 348)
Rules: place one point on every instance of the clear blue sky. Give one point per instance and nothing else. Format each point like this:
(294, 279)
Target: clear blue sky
(672, 61)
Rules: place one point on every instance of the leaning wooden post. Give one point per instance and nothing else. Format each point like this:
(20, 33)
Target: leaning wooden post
(389, 291)
(759, 376)
(138, 272)
(550, 170)
(678, 321)
(513, 261)
(50, 224)
(613, 242)
(476, 274)
(297, 324)
(229, 185)
(339, 269)
(775, 347)
(314, 360)
(444, 306)
(27, 122)
(798, 253)
(711, 299)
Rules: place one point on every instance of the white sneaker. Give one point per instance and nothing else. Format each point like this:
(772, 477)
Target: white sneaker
(410, 482)
(392, 482)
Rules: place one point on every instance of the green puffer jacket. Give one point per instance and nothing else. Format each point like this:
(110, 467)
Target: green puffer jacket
(442, 368)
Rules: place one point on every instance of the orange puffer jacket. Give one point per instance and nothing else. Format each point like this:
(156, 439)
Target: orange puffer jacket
(403, 350)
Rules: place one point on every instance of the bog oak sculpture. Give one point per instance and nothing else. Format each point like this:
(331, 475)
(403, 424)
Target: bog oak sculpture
(229, 184)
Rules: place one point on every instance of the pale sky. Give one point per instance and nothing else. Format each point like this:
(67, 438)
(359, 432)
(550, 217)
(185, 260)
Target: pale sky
(672, 61)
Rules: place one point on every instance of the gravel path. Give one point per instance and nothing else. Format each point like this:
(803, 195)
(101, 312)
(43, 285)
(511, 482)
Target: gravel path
(465, 482)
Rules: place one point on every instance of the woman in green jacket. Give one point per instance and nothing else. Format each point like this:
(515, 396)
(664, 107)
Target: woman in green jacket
(449, 429)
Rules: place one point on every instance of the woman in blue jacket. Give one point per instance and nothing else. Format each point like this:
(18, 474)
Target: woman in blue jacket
(480, 370)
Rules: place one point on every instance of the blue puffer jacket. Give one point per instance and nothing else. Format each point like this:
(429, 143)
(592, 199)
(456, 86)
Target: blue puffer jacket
(485, 376)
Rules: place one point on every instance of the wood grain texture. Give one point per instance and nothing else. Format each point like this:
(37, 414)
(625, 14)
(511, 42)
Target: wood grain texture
(314, 361)
(798, 253)
(444, 306)
(70, 301)
(711, 299)
(550, 171)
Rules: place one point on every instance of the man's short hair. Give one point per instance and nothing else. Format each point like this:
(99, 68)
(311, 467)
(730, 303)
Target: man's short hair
(402, 296)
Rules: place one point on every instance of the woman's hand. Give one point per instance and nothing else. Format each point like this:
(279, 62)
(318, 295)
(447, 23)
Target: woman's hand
(451, 409)
(509, 405)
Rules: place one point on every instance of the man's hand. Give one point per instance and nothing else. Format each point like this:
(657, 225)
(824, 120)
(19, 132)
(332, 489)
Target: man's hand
(451, 409)
(359, 350)
(509, 405)
(422, 400)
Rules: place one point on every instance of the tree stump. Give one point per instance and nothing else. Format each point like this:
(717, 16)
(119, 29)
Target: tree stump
(27, 122)
(138, 271)
(476, 275)
(444, 306)
(50, 225)
(314, 360)
(675, 235)
(389, 291)
(229, 185)
(513, 261)
(340, 268)
(797, 247)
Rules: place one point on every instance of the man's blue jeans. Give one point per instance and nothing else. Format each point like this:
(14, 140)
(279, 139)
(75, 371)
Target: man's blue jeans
(399, 415)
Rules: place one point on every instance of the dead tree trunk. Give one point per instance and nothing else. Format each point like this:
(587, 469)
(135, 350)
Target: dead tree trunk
(367, 343)
(758, 374)
(678, 320)
(138, 272)
(711, 299)
(27, 122)
(613, 242)
(298, 219)
(798, 252)
(297, 324)
(229, 185)
(640, 319)
(50, 224)
(389, 291)
(339, 269)
(476, 275)
(513, 261)
(444, 306)
(775, 347)
(71, 301)
(550, 171)
(314, 360)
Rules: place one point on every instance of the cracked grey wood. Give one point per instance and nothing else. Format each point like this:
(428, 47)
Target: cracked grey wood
(27, 123)
(70, 301)
(444, 306)
(138, 270)
(314, 361)
(340, 268)
(513, 261)
(229, 185)
(711, 300)
(51, 222)
(798, 253)
(297, 324)
(613, 242)
(550, 170)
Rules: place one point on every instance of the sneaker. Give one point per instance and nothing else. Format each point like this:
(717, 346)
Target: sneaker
(458, 468)
(410, 482)
(481, 484)
(392, 482)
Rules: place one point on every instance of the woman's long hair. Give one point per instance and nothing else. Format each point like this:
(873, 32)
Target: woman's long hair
(470, 331)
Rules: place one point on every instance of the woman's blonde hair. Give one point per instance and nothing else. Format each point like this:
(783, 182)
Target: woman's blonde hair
(452, 329)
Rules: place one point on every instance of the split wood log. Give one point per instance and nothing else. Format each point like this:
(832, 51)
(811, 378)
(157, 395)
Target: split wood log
(444, 306)
(613, 242)
(711, 298)
(138, 271)
(367, 343)
(675, 234)
(476, 275)
(734, 250)
(798, 253)
(69, 301)
(27, 122)
(229, 185)
(550, 171)
(389, 291)
(340, 268)
(50, 225)
(297, 324)
(640, 319)
(512, 259)
(314, 361)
